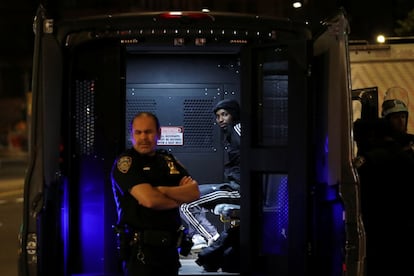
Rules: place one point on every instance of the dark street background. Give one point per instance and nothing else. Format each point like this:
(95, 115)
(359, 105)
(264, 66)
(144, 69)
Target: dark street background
(12, 170)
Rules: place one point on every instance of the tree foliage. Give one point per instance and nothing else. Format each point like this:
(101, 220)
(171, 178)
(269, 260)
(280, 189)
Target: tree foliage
(406, 26)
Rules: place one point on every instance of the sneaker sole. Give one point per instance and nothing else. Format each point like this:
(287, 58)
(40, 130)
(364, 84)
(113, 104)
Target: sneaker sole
(199, 246)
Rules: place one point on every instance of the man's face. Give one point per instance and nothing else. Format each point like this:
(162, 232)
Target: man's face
(223, 118)
(144, 135)
(399, 121)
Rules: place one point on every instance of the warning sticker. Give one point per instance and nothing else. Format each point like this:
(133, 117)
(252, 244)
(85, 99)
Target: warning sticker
(171, 136)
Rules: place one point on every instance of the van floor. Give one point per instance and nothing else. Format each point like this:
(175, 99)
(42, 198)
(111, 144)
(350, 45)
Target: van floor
(190, 267)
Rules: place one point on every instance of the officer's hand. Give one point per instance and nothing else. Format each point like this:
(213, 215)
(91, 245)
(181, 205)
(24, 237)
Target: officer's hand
(187, 180)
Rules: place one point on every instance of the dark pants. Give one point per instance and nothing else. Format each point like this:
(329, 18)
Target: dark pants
(149, 260)
(194, 213)
(154, 253)
(136, 268)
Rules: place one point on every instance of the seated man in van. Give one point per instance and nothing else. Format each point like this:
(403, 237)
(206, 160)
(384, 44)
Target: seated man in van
(203, 232)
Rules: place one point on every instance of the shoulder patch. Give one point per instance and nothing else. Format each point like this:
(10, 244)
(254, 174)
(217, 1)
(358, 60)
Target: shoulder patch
(124, 163)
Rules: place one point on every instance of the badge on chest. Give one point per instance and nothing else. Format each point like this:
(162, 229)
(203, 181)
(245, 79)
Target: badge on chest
(171, 165)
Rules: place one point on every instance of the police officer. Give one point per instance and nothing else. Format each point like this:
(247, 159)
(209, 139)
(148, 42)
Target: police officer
(149, 185)
(386, 171)
(395, 112)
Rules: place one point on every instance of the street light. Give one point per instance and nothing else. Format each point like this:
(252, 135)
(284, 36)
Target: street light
(297, 4)
(381, 38)
(394, 39)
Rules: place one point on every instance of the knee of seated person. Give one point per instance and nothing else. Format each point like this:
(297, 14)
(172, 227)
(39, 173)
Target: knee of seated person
(234, 185)
(225, 208)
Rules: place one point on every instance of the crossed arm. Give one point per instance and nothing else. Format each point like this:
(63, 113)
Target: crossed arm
(166, 197)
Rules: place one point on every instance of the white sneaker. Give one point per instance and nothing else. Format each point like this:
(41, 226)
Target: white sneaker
(199, 242)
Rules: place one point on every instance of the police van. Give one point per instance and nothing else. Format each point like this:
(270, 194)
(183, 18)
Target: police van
(299, 212)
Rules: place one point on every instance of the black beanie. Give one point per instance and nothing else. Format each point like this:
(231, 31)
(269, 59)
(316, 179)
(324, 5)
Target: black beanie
(231, 106)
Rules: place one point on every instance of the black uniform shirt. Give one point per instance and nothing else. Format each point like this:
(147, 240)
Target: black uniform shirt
(130, 169)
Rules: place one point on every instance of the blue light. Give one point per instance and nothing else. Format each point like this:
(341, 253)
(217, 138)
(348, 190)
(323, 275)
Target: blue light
(92, 215)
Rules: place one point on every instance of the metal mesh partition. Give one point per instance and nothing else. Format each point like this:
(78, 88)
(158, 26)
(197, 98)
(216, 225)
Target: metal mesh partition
(275, 208)
(194, 116)
(85, 116)
(198, 123)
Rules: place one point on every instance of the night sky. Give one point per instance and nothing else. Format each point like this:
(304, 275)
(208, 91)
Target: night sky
(371, 17)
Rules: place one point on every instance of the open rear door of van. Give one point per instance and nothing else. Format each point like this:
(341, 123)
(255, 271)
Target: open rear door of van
(332, 85)
(43, 167)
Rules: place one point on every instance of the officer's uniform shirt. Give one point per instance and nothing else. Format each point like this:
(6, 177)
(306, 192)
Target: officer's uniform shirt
(386, 173)
(131, 169)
